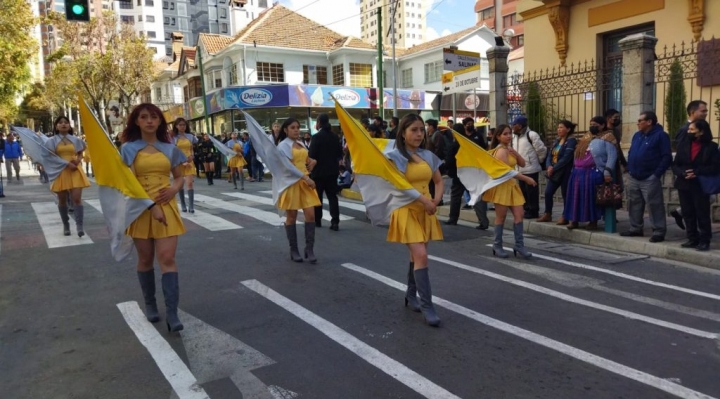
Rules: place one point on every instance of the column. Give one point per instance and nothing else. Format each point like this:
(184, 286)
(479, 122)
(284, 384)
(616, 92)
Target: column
(498, 65)
(638, 80)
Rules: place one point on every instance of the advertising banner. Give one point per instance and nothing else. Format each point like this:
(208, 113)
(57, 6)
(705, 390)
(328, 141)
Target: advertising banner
(256, 97)
(352, 97)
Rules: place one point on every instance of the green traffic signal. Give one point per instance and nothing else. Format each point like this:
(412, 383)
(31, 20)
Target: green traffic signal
(77, 10)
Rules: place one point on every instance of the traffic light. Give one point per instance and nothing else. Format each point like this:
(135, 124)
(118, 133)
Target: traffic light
(77, 10)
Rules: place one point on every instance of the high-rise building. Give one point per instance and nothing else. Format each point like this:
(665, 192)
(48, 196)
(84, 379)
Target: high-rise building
(410, 23)
(146, 16)
(501, 15)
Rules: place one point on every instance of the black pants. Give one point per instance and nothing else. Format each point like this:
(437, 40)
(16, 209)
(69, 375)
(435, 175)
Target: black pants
(696, 213)
(532, 196)
(456, 193)
(327, 185)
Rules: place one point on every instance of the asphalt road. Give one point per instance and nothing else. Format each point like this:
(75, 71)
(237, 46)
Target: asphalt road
(571, 323)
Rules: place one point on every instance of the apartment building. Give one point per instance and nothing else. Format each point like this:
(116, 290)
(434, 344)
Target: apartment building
(410, 23)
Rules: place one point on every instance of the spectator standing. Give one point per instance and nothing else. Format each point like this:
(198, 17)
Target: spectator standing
(649, 157)
(559, 167)
(614, 124)
(325, 148)
(13, 154)
(436, 145)
(530, 146)
(392, 132)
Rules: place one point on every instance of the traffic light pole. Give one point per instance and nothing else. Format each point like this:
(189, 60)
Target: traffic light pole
(381, 90)
(394, 60)
(202, 84)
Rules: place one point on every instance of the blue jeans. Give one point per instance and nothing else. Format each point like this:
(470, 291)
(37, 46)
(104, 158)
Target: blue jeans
(257, 169)
(552, 188)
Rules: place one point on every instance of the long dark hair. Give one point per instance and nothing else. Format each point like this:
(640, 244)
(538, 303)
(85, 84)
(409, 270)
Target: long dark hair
(405, 123)
(181, 120)
(569, 126)
(282, 135)
(58, 119)
(132, 130)
(498, 131)
(704, 127)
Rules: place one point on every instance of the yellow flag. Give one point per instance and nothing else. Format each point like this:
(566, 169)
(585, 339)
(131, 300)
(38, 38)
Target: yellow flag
(383, 187)
(122, 198)
(477, 169)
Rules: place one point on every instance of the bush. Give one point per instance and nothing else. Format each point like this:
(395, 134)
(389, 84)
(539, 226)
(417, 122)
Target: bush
(675, 100)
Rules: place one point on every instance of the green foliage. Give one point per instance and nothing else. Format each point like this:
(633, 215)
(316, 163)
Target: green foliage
(675, 100)
(34, 107)
(535, 110)
(17, 46)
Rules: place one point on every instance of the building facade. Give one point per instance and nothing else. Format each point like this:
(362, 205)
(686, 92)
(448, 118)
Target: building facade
(501, 15)
(410, 23)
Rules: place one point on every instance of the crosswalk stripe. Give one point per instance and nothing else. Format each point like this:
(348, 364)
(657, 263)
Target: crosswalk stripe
(345, 204)
(52, 228)
(587, 357)
(268, 201)
(95, 203)
(208, 221)
(271, 218)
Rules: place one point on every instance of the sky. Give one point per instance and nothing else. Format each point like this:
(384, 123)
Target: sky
(446, 17)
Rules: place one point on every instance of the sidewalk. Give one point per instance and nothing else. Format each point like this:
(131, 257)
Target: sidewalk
(668, 249)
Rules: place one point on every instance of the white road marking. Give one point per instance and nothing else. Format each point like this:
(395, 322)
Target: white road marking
(600, 362)
(576, 300)
(268, 201)
(390, 366)
(95, 203)
(208, 221)
(52, 228)
(183, 382)
(623, 275)
(345, 204)
(271, 218)
(661, 304)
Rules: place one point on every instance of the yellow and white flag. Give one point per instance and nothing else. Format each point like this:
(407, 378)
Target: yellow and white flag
(122, 198)
(382, 186)
(477, 170)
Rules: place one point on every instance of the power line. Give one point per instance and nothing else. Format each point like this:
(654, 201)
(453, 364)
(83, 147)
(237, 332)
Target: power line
(436, 6)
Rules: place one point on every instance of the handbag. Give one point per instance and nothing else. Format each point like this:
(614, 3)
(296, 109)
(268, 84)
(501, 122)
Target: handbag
(609, 195)
(710, 184)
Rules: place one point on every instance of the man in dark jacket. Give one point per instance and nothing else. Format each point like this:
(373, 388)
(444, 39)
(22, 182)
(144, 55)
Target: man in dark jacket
(326, 150)
(649, 157)
(392, 132)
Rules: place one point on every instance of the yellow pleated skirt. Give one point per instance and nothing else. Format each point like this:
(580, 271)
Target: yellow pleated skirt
(189, 169)
(238, 161)
(507, 194)
(70, 179)
(145, 226)
(411, 224)
(298, 196)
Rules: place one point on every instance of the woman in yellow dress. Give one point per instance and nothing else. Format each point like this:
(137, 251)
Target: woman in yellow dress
(508, 195)
(237, 162)
(415, 224)
(86, 159)
(302, 194)
(72, 180)
(184, 140)
(148, 152)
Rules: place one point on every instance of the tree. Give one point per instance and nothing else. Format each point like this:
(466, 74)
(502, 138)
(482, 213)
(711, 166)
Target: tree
(675, 100)
(17, 46)
(34, 107)
(535, 110)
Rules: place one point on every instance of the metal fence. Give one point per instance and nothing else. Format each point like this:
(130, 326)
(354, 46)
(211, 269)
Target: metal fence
(686, 72)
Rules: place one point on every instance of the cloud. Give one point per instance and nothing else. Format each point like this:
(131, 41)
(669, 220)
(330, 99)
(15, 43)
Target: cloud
(328, 13)
(431, 33)
(446, 32)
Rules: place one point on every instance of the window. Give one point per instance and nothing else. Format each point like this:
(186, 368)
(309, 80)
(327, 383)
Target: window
(262, 3)
(270, 72)
(223, 13)
(613, 56)
(166, 20)
(338, 75)
(509, 20)
(223, 27)
(150, 18)
(487, 13)
(149, 3)
(360, 75)
(172, 21)
(165, 5)
(139, 2)
(139, 18)
(314, 75)
(168, 51)
(126, 5)
(217, 79)
(158, 93)
(168, 36)
(151, 34)
(172, 5)
(212, 13)
(183, 23)
(232, 75)
(127, 19)
(182, 10)
(433, 71)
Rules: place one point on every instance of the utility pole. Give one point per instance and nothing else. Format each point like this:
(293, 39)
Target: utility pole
(394, 60)
(381, 90)
(202, 84)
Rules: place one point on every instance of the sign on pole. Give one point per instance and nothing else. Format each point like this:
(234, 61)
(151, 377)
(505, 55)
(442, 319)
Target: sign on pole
(461, 81)
(455, 60)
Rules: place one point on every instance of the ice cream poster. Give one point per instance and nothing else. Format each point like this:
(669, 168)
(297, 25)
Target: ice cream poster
(256, 97)
(320, 96)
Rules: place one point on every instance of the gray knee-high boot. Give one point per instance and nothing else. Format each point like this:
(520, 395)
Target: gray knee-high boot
(497, 247)
(310, 242)
(292, 239)
(191, 200)
(411, 293)
(65, 219)
(79, 216)
(422, 281)
(242, 180)
(147, 283)
(520, 242)
(234, 179)
(171, 290)
(181, 193)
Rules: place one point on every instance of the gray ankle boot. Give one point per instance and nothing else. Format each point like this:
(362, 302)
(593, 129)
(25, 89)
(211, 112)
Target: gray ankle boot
(65, 219)
(181, 193)
(79, 216)
(520, 242)
(147, 283)
(497, 247)
(310, 242)
(411, 300)
(191, 201)
(292, 239)
(171, 290)
(422, 281)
